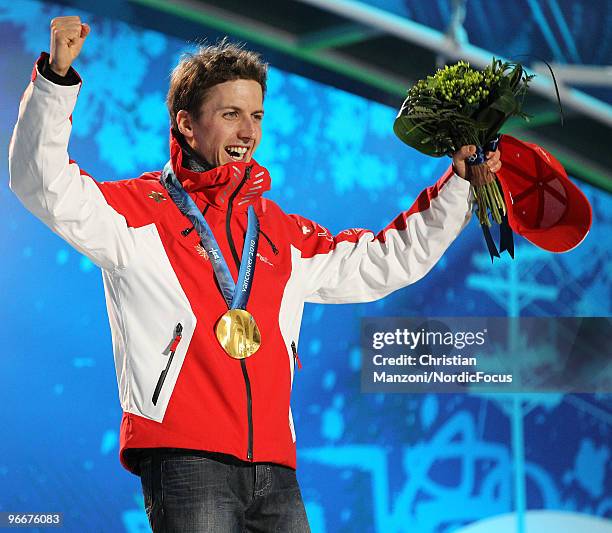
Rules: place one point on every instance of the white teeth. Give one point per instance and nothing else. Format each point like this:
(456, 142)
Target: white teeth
(237, 149)
(236, 152)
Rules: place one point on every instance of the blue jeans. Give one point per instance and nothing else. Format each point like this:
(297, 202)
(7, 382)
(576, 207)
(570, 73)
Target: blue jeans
(191, 492)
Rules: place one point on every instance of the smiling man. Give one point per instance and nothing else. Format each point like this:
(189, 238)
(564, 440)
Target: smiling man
(205, 282)
(215, 102)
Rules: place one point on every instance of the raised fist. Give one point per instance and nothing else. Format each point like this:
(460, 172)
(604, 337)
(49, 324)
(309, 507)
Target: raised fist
(67, 37)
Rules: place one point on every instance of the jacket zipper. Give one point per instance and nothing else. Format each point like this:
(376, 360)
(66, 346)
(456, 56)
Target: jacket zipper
(296, 357)
(274, 248)
(247, 381)
(188, 230)
(178, 332)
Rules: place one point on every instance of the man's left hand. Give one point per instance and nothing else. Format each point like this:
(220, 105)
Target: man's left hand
(459, 165)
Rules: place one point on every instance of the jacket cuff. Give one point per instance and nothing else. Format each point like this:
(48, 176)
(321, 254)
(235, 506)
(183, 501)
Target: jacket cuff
(42, 66)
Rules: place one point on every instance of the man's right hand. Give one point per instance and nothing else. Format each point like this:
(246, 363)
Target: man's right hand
(67, 37)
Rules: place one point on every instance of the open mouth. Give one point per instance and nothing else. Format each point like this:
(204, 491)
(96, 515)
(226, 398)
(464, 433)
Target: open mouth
(237, 153)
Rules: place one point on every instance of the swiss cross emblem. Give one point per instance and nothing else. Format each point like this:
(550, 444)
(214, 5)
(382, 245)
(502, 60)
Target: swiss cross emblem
(157, 196)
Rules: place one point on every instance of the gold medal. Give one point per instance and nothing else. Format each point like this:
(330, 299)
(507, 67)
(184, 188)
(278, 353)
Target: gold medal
(238, 334)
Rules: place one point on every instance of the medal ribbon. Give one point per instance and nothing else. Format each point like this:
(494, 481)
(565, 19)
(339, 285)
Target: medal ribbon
(236, 295)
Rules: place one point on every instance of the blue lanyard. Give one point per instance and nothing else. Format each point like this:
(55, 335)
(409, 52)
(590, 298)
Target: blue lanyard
(235, 299)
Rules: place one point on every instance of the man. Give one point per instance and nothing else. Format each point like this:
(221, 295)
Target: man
(204, 331)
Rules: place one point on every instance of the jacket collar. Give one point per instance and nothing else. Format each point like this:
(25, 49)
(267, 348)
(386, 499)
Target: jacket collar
(218, 185)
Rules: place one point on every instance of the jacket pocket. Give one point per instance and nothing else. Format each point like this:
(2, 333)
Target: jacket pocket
(178, 331)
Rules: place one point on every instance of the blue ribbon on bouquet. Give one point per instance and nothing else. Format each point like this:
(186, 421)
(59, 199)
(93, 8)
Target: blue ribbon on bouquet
(506, 237)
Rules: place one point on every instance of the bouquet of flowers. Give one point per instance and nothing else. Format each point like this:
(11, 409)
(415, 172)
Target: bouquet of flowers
(460, 105)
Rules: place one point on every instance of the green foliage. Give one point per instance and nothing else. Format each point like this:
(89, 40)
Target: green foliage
(460, 105)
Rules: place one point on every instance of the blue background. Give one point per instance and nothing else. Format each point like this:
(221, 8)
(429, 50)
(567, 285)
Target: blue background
(424, 463)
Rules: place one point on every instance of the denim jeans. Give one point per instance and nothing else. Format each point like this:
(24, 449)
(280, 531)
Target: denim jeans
(199, 492)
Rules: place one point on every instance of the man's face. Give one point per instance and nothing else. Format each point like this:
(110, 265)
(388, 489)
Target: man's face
(229, 126)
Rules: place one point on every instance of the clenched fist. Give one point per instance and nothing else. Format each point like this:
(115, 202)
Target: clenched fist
(493, 160)
(67, 37)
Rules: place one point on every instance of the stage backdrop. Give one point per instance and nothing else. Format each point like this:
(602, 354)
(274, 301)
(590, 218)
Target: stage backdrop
(387, 463)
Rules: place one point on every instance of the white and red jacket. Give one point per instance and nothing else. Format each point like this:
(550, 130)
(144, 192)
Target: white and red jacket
(156, 276)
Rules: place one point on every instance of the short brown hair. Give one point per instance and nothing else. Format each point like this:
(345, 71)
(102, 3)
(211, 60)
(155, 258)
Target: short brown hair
(210, 65)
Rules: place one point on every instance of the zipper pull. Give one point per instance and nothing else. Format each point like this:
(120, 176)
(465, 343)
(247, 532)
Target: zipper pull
(187, 231)
(177, 337)
(274, 248)
(296, 358)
